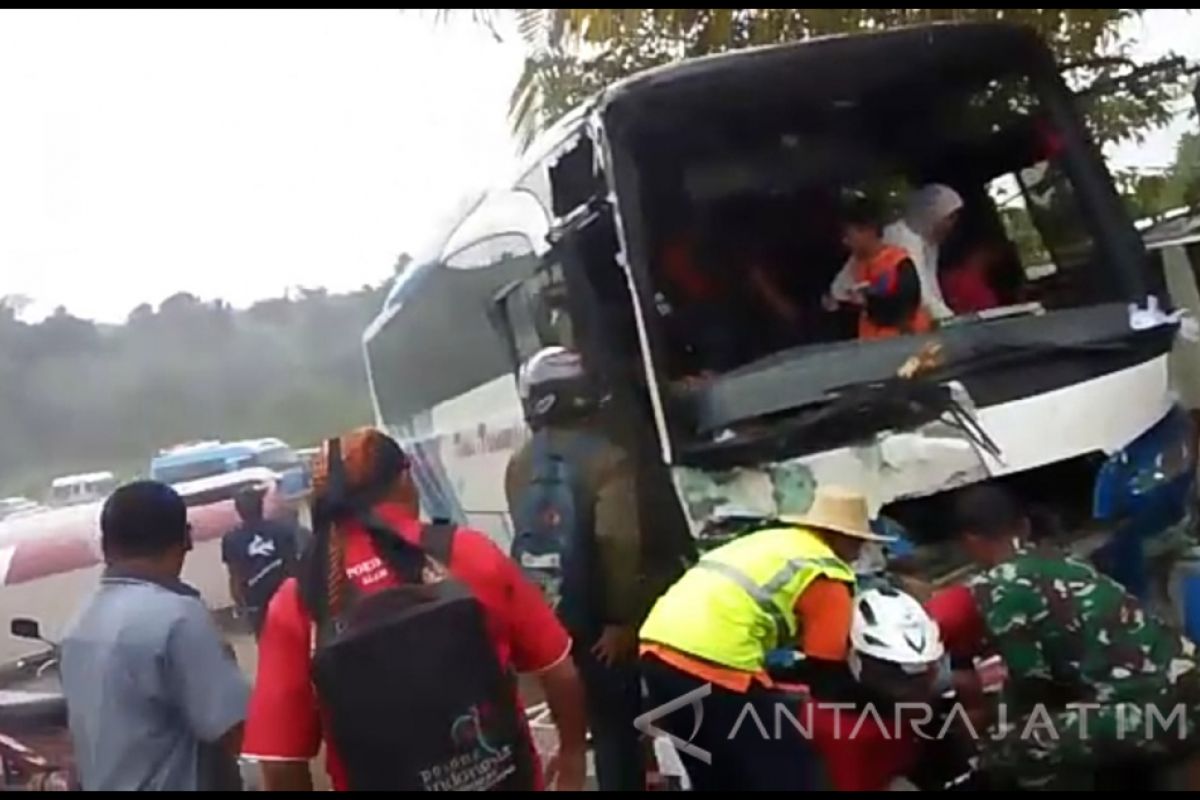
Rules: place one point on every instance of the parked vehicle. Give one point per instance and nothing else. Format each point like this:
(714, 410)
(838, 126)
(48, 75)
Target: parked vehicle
(73, 490)
(11, 507)
(192, 462)
(35, 743)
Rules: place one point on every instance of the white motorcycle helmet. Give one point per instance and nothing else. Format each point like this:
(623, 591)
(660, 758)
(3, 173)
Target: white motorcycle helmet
(894, 644)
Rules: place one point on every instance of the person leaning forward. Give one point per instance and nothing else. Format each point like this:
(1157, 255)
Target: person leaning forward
(789, 582)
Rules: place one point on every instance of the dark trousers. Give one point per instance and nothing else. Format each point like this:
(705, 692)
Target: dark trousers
(613, 701)
(745, 760)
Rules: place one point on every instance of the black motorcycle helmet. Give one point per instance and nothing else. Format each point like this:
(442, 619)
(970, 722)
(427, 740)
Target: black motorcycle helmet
(555, 388)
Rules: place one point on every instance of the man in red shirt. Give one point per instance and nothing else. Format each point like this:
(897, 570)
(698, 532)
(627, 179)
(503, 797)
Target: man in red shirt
(284, 730)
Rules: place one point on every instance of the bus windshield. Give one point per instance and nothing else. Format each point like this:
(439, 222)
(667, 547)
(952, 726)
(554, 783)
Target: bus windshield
(790, 227)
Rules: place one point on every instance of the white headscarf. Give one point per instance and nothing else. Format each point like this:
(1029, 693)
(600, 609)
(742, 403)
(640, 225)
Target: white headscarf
(929, 205)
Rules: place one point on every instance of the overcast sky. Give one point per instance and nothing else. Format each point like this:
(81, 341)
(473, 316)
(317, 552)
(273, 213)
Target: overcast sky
(233, 154)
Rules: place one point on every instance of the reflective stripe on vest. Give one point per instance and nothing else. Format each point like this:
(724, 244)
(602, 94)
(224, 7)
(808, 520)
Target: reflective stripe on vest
(738, 602)
(765, 595)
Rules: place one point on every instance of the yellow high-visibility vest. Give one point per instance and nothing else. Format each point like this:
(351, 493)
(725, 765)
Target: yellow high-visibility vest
(738, 602)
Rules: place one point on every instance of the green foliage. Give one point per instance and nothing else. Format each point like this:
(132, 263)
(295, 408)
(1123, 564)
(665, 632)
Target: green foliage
(77, 396)
(1153, 194)
(573, 52)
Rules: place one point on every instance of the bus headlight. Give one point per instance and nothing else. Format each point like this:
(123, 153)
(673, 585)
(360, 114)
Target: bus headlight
(1159, 466)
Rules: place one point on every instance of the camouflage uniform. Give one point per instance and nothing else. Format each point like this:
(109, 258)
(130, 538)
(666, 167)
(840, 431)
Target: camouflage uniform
(1069, 635)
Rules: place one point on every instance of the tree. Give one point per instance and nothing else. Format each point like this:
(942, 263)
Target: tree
(14, 305)
(140, 315)
(1185, 175)
(76, 396)
(573, 52)
(1153, 194)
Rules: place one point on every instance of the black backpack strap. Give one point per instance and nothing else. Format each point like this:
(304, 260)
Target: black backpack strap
(437, 540)
(404, 558)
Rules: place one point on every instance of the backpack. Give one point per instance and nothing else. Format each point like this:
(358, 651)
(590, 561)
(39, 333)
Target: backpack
(413, 694)
(554, 541)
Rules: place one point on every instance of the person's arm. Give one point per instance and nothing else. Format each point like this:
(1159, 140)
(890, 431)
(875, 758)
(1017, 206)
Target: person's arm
(236, 592)
(931, 288)
(1008, 607)
(563, 689)
(228, 557)
(205, 684)
(283, 727)
(769, 292)
(541, 647)
(892, 307)
(619, 548)
(842, 288)
(231, 742)
(825, 610)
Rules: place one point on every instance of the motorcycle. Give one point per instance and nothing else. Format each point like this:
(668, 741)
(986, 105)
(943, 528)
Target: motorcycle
(35, 742)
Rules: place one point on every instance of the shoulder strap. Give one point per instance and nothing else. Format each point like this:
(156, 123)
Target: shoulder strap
(437, 540)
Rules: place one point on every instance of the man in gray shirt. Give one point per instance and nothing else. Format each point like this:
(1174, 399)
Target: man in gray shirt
(155, 700)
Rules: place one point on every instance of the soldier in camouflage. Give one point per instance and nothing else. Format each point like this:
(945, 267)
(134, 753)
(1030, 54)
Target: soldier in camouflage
(1094, 680)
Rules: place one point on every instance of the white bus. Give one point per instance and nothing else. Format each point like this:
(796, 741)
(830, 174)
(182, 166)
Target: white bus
(740, 157)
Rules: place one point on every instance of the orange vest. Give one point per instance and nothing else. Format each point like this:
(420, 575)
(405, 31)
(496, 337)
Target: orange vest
(886, 264)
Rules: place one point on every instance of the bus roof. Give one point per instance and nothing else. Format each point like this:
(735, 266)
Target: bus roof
(738, 76)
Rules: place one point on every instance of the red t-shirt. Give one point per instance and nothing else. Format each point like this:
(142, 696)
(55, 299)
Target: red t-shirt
(284, 720)
(958, 618)
(861, 752)
(967, 289)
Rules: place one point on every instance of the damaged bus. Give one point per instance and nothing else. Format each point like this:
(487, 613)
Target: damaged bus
(681, 231)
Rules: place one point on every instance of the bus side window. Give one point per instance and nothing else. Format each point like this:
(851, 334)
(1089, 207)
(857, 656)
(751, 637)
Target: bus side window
(535, 312)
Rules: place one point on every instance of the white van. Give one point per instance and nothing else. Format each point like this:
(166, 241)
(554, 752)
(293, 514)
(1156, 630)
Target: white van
(71, 490)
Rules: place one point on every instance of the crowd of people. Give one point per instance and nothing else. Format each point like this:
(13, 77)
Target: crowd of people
(394, 644)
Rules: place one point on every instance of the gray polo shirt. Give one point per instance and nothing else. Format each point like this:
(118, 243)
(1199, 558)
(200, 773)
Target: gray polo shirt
(148, 686)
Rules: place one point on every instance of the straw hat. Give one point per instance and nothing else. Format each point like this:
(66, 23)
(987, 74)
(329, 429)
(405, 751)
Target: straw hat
(839, 510)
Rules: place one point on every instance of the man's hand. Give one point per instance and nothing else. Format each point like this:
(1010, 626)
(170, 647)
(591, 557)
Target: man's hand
(567, 770)
(564, 694)
(617, 643)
